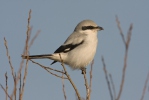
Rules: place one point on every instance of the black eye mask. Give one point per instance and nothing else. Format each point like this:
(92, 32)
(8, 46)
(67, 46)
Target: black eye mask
(89, 27)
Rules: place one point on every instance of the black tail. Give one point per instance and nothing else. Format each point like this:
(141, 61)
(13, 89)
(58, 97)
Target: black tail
(37, 56)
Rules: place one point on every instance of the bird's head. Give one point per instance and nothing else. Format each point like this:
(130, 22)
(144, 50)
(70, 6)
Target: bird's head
(87, 25)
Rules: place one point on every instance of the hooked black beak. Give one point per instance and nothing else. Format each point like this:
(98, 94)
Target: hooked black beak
(100, 28)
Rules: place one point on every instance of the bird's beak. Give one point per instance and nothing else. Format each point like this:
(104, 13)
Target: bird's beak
(99, 28)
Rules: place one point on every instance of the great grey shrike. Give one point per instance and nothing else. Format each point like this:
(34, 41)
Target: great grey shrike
(79, 48)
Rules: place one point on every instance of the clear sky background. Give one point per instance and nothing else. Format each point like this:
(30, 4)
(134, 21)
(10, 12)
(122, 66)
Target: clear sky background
(57, 20)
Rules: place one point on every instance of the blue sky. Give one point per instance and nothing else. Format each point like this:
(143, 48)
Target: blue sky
(56, 20)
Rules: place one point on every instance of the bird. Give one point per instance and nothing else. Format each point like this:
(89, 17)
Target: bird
(78, 50)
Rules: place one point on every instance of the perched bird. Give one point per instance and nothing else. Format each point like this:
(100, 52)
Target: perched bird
(79, 48)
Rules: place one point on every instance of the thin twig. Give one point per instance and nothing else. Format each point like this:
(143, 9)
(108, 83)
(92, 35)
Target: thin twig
(5, 92)
(113, 87)
(86, 85)
(126, 43)
(91, 76)
(29, 35)
(6, 77)
(22, 62)
(33, 39)
(15, 93)
(20, 88)
(64, 92)
(54, 70)
(9, 59)
(12, 69)
(106, 75)
(27, 47)
(145, 87)
(120, 29)
(129, 36)
(46, 68)
(79, 98)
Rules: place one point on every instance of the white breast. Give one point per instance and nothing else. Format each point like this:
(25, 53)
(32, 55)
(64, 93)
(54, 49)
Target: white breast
(82, 55)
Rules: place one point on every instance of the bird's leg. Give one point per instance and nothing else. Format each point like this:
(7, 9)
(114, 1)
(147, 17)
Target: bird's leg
(83, 70)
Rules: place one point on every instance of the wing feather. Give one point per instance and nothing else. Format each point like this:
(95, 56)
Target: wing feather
(73, 41)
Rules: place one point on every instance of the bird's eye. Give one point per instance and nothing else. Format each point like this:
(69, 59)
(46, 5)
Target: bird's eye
(88, 27)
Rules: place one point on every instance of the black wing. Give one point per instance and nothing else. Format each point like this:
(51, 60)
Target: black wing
(66, 48)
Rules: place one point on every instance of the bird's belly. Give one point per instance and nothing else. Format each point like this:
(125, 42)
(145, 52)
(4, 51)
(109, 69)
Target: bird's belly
(81, 56)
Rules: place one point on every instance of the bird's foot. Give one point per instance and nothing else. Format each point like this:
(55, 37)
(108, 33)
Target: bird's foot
(83, 70)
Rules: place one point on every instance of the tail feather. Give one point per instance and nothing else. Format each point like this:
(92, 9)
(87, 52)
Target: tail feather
(37, 56)
(53, 62)
(54, 57)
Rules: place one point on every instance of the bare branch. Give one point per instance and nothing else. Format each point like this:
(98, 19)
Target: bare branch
(12, 69)
(15, 86)
(64, 92)
(9, 59)
(6, 77)
(120, 29)
(86, 85)
(20, 88)
(5, 92)
(113, 87)
(46, 68)
(79, 98)
(129, 36)
(91, 76)
(27, 48)
(33, 39)
(126, 43)
(22, 62)
(106, 75)
(145, 87)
